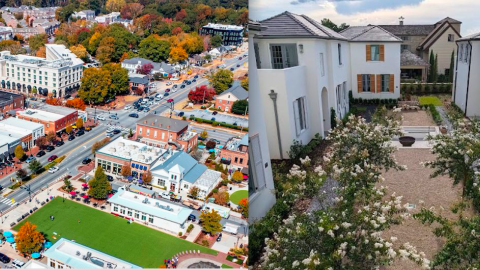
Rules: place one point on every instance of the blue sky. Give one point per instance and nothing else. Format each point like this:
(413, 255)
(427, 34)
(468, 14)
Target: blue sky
(362, 12)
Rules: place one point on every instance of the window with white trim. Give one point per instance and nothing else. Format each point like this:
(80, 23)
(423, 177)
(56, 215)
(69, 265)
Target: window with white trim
(256, 169)
(299, 111)
(284, 55)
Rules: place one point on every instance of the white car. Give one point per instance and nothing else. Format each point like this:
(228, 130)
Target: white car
(101, 118)
(53, 169)
(174, 90)
(128, 107)
(169, 83)
(17, 263)
(165, 195)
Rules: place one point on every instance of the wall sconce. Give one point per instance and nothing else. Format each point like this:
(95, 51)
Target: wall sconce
(300, 48)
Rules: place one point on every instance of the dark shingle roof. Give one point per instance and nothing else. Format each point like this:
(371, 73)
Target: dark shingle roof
(138, 79)
(409, 30)
(153, 120)
(236, 90)
(288, 24)
(369, 33)
(450, 20)
(436, 34)
(7, 97)
(407, 58)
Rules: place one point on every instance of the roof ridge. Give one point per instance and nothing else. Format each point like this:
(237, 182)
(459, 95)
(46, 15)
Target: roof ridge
(390, 33)
(367, 28)
(291, 15)
(283, 13)
(316, 24)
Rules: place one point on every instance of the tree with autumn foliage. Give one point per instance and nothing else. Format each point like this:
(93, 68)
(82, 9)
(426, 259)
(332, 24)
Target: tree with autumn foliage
(37, 41)
(221, 197)
(131, 11)
(177, 54)
(114, 5)
(41, 142)
(51, 137)
(221, 80)
(95, 85)
(79, 51)
(76, 103)
(105, 50)
(28, 239)
(243, 203)
(237, 176)
(53, 101)
(41, 52)
(145, 69)
(126, 170)
(79, 123)
(13, 46)
(147, 177)
(211, 222)
(119, 79)
(200, 94)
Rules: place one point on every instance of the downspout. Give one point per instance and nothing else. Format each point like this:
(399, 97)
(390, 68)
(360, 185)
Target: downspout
(273, 96)
(468, 78)
(455, 85)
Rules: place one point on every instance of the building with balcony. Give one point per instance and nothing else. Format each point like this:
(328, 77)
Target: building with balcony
(261, 189)
(225, 100)
(9, 102)
(235, 152)
(163, 132)
(307, 70)
(144, 209)
(54, 118)
(57, 74)
(231, 34)
(69, 254)
(25, 130)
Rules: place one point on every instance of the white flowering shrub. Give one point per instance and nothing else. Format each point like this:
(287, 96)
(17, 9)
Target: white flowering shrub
(349, 234)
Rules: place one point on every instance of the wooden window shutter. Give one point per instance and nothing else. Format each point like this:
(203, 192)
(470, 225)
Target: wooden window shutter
(382, 52)
(392, 83)
(369, 53)
(359, 83)
(379, 83)
(372, 83)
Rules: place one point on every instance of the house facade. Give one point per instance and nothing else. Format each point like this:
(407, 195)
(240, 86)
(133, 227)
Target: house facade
(466, 84)
(165, 132)
(54, 119)
(10, 101)
(235, 152)
(133, 64)
(138, 83)
(225, 100)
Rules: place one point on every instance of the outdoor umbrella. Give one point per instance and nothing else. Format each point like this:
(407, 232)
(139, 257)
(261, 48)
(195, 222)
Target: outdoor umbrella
(48, 245)
(84, 185)
(10, 239)
(73, 193)
(35, 255)
(85, 196)
(245, 176)
(110, 195)
(7, 234)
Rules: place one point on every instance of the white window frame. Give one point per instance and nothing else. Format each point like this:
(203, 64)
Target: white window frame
(339, 47)
(322, 65)
(300, 115)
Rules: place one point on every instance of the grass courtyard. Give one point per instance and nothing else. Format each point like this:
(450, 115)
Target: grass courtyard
(134, 243)
(427, 100)
(238, 195)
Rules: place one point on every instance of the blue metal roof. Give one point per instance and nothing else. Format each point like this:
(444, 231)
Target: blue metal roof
(192, 169)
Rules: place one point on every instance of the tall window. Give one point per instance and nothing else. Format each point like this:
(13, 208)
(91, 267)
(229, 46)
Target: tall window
(300, 115)
(284, 56)
(257, 55)
(374, 52)
(465, 55)
(385, 87)
(403, 47)
(322, 65)
(451, 38)
(366, 83)
(460, 53)
(256, 181)
(339, 54)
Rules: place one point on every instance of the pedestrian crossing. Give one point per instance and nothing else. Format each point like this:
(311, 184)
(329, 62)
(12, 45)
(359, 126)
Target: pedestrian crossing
(8, 201)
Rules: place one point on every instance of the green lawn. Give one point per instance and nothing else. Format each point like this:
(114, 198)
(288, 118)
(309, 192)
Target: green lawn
(238, 195)
(134, 243)
(430, 100)
(226, 266)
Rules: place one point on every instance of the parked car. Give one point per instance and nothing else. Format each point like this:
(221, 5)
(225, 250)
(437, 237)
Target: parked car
(170, 100)
(238, 65)
(52, 158)
(232, 69)
(86, 160)
(181, 114)
(219, 237)
(192, 217)
(17, 264)
(128, 107)
(169, 83)
(240, 58)
(166, 94)
(100, 117)
(30, 159)
(4, 258)
(230, 228)
(110, 178)
(165, 195)
(194, 80)
(146, 109)
(116, 131)
(50, 148)
(134, 115)
(59, 143)
(196, 76)
(167, 90)
(215, 113)
(113, 116)
(71, 137)
(88, 128)
(53, 169)
(183, 86)
(80, 133)
(40, 153)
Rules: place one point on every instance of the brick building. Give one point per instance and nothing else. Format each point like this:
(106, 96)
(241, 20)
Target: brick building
(235, 152)
(162, 131)
(54, 118)
(225, 100)
(10, 101)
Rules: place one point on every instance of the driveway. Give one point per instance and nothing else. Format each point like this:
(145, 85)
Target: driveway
(228, 242)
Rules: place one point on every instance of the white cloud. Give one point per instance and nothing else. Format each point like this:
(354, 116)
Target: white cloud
(426, 12)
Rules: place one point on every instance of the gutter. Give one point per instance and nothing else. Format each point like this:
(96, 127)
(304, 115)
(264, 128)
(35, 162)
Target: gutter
(455, 84)
(273, 96)
(468, 79)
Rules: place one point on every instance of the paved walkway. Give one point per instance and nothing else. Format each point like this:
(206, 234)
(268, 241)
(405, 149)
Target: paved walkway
(197, 257)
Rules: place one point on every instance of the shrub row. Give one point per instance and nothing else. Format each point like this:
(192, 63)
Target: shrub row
(55, 162)
(374, 101)
(215, 123)
(435, 115)
(426, 88)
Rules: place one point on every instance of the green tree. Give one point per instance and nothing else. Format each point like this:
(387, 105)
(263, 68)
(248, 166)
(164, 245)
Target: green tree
(240, 107)
(244, 83)
(19, 152)
(34, 166)
(154, 49)
(37, 41)
(21, 174)
(452, 67)
(119, 79)
(99, 185)
(67, 184)
(211, 222)
(328, 23)
(194, 192)
(95, 85)
(216, 41)
(221, 80)
(435, 69)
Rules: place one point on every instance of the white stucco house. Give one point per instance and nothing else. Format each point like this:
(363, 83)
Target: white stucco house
(466, 82)
(260, 185)
(307, 70)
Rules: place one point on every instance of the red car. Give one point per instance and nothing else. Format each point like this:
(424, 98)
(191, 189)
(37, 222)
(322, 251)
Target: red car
(52, 158)
(170, 100)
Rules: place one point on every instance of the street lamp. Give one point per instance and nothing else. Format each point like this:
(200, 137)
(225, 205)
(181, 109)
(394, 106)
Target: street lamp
(27, 188)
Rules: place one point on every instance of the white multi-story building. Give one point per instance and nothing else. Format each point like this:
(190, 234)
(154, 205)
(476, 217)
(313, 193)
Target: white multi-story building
(57, 74)
(307, 70)
(108, 18)
(466, 84)
(26, 131)
(260, 180)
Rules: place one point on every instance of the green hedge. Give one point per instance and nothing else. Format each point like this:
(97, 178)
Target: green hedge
(389, 103)
(426, 88)
(215, 123)
(435, 115)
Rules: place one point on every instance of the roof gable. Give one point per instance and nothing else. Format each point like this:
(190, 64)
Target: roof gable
(436, 34)
(237, 90)
(369, 33)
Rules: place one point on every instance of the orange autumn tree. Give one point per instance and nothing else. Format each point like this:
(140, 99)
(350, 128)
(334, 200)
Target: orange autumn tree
(28, 239)
(41, 52)
(76, 103)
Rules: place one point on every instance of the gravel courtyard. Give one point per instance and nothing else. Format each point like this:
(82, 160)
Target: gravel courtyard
(417, 118)
(415, 185)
